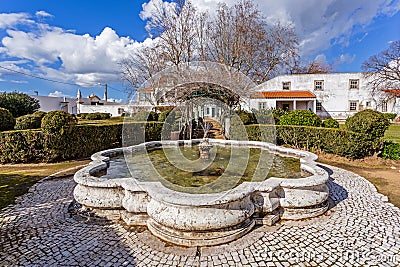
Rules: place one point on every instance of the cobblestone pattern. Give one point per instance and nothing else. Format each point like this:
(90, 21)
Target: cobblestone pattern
(361, 229)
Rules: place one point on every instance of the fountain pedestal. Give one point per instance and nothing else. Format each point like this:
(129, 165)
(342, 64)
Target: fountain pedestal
(204, 148)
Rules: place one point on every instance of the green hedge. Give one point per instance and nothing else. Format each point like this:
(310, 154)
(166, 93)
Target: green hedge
(335, 141)
(391, 151)
(7, 121)
(81, 142)
(330, 123)
(30, 121)
(301, 118)
(94, 116)
(390, 116)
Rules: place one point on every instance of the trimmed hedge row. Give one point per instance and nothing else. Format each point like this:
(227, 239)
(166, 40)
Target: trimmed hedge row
(334, 141)
(391, 151)
(81, 142)
(94, 116)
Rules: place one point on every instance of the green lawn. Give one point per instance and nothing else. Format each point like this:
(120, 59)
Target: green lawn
(15, 180)
(113, 120)
(393, 134)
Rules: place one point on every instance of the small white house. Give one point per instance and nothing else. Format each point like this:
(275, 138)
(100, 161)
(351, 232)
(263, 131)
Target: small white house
(337, 95)
(80, 104)
(49, 103)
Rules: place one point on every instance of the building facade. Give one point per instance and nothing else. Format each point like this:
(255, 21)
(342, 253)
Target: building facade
(336, 95)
(90, 104)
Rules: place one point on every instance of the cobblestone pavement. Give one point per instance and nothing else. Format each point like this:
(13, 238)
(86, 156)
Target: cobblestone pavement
(361, 229)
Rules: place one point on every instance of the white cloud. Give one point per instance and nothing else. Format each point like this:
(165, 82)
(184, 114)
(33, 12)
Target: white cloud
(319, 23)
(114, 100)
(84, 59)
(59, 94)
(43, 14)
(13, 81)
(321, 59)
(150, 8)
(9, 20)
(346, 58)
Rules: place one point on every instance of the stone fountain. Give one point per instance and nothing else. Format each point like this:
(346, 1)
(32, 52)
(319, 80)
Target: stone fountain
(202, 219)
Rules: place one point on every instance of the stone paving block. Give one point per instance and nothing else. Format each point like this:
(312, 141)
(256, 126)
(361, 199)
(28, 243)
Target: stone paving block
(37, 231)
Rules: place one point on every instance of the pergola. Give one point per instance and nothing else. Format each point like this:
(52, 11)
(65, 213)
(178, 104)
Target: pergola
(191, 85)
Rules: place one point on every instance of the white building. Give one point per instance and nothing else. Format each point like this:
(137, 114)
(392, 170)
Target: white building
(81, 104)
(337, 95)
(49, 103)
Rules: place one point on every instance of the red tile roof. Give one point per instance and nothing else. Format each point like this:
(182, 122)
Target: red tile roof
(284, 94)
(396, 92)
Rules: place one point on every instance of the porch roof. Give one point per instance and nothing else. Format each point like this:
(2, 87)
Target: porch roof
(283, 94)
(396, 92)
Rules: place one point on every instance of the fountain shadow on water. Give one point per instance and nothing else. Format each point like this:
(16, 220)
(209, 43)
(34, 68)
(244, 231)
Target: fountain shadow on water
(337, 193)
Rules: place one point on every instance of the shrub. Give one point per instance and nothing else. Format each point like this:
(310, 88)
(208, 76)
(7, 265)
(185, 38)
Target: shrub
(264, 116)
(145, 116)
(153, 116)
(40, 114)
(22, 146)
(19, 104)
(82, 116)
(163, 115)
(390, 116)
(7, 120)
(391, 151)
(30, 121)
(58, 122)
(334, 141)
(246, 117)
(82, 141)
(330, 123)
(301, 118)
(278, 113)
(97, 116)
(371, 123)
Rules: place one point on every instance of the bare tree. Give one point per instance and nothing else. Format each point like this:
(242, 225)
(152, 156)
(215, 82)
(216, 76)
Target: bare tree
(175, 27)
(240, 38)
(315, 67)
(237, 36)
(141, 67)
(383, 69)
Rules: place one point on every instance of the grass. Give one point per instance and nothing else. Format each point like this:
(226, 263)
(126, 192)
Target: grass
(15, 180)
(384, 174)
(113, 120)
(393, 133)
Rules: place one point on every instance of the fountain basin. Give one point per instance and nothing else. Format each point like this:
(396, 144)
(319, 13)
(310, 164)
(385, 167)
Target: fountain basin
(203, 219)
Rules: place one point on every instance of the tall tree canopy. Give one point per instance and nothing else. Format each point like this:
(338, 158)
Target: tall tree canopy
(237, 36)
(18, 104)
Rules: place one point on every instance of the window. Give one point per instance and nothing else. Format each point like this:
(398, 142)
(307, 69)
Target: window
(286, 107)
(144, 96)
(318, 106)
(262, 105)
(353, 105)
(319, 85)
(286, 85)
(354, 83)
(368, 104)
(121, 111)
(384, 106)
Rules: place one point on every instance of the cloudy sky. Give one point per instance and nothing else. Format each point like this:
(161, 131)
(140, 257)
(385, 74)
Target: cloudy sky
(73, 44)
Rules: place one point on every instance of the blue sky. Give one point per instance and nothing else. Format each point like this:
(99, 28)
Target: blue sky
(80, 42)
